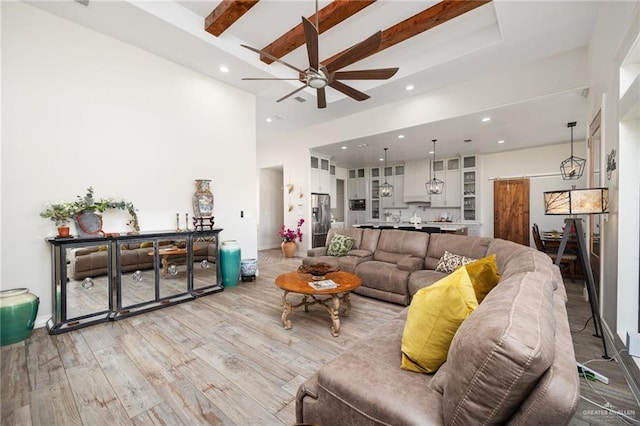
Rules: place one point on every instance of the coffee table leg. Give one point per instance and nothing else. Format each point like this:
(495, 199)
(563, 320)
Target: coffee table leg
(347, 302)
(335, 317)
(287, 308)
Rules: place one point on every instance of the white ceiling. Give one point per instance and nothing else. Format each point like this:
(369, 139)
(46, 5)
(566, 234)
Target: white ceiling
(503, 33)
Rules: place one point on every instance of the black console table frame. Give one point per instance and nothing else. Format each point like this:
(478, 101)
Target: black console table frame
(60, 321)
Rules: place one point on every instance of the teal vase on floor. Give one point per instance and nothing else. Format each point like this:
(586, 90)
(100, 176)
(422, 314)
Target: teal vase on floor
(18, 310)
(230, 263)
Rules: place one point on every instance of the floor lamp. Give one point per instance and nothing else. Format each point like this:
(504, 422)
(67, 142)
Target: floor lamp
(572, 202)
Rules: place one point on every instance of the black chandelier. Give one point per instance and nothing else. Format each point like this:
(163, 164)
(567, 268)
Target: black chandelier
(435, 185)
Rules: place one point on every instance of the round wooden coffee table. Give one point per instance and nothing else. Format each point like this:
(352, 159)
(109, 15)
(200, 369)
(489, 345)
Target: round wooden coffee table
(296, 282)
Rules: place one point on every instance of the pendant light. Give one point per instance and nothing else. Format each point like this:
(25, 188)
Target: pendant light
(434, 186)
(386, 189)
(572, 167)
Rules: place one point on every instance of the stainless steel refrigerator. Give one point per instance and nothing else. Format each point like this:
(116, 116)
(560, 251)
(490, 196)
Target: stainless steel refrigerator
(320, 218)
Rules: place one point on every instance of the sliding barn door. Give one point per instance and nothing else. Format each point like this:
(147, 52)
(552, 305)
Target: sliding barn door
(511, 210)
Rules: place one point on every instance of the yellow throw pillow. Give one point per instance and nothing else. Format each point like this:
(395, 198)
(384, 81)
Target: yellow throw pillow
(146, 244)
(484, 275)
(433, 318)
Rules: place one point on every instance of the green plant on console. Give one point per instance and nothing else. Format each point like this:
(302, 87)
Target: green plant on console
(89, 203)
(60, 213)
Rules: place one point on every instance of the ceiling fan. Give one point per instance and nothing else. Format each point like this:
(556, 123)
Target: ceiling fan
(319, 76)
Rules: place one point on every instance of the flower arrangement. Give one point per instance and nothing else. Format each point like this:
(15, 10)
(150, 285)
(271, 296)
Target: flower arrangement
(289, 235)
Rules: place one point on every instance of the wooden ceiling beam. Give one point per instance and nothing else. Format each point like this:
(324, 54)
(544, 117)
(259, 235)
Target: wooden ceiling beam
(227, 12)
(328, 17)
(421, 22)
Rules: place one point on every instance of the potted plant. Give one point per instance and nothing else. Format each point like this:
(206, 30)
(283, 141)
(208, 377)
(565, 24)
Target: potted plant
(61, 214)
(87, 209)
(289, 237)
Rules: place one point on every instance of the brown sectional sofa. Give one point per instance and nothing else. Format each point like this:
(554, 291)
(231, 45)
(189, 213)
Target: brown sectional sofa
(92, 261)
(510, 362)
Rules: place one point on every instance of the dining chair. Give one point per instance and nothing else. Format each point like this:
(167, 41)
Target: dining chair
(567, 259)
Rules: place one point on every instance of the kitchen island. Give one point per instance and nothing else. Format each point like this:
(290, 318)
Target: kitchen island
(445, 227)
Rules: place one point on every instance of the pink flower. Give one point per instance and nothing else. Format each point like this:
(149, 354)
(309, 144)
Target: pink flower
(288, 234)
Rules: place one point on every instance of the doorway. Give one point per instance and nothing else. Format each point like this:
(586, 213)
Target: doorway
(511, 210)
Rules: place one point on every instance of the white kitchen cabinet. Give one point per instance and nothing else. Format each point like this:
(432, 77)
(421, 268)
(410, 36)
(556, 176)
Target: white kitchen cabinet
(333, 184)
(320, 177)
(447, 170)
(357, 184)
(356, 218)
(470, 187)
(416, 174)
(394, 175)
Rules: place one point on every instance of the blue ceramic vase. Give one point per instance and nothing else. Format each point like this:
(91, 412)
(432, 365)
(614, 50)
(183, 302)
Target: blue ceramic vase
(230, 263)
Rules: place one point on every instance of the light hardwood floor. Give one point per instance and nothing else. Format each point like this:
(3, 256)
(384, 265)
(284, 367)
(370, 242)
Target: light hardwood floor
(221, 359)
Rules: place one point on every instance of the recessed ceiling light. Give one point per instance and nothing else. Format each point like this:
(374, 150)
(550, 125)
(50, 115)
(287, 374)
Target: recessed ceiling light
(500, 141)
(269, 120)
(485, 119)
(381, 159)
(400, 136)
(224, 69)
(430, 152)
(343, 147)
(363, 145)
(409, 87)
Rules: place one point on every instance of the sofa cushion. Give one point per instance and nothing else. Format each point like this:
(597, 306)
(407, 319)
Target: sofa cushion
(364, 386)
(402, 242)
(449, 262)
(475, 247)
(501, 351)
(484, 275)
(434, 315)
(340, 245)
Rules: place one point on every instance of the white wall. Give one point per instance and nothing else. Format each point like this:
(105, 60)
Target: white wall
(616, 27)
(81, 109)
(542, 166)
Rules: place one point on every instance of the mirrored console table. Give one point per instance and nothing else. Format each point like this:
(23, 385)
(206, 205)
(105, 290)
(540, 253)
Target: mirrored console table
(98, 279)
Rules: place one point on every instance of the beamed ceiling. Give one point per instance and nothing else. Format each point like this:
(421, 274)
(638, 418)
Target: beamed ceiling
(435, 45)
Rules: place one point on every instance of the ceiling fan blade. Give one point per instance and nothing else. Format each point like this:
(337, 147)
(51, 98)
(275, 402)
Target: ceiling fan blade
(349, 91)
(356, 52)
(292, 93)
(375, 74)
(311, 40)
(273, 58)
(268, 78)
(322, 98)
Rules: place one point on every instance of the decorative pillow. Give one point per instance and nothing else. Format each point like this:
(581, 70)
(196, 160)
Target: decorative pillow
(449, 262)
(484, 275)
(433, 318)
(340, 245)
(102, 248)
(146, 244)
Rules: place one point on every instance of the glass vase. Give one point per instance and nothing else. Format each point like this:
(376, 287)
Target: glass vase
(202, 199)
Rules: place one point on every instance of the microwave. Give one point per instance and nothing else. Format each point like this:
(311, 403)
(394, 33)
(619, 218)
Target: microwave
(357, 205)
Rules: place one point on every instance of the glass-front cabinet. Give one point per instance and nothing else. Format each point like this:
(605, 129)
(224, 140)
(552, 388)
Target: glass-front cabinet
(98, 279)
(469, 188)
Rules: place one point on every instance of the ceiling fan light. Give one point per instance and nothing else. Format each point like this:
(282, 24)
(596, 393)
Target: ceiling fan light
(317, 81)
